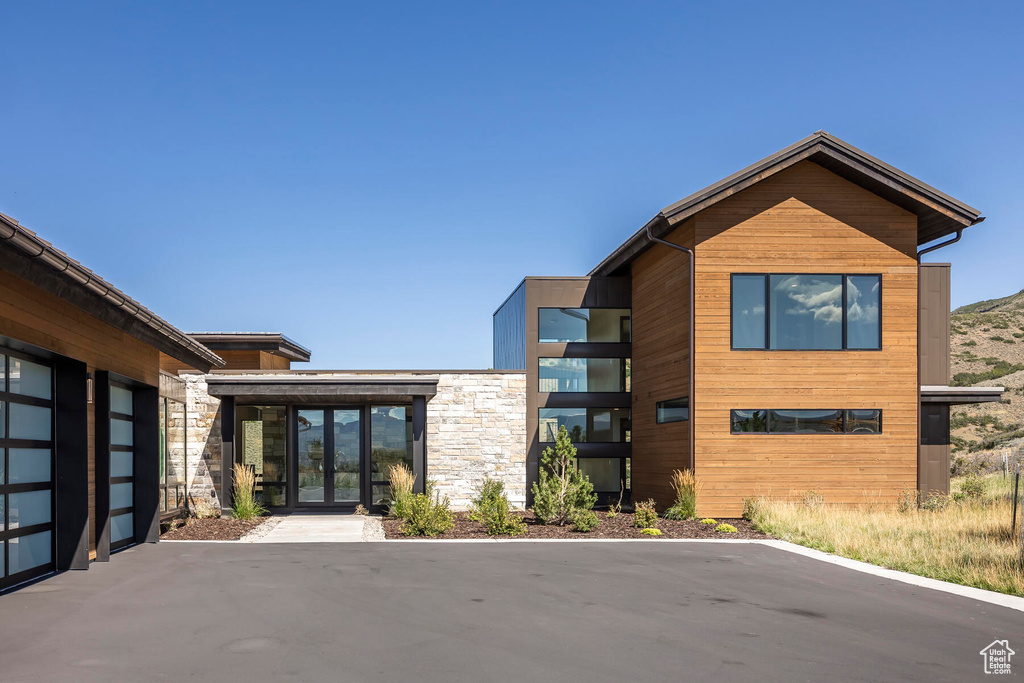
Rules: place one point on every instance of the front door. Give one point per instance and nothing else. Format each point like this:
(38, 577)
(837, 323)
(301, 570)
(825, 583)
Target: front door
(328, 449)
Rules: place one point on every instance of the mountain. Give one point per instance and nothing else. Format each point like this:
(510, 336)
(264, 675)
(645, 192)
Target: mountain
(987, 349)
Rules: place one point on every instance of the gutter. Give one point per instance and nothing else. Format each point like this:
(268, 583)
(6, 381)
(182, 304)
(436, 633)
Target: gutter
(693, 341)
(40, 250)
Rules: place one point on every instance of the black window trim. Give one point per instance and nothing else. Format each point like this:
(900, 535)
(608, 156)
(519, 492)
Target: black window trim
(589, 308)
(657, 410)
(768, 311)
(768, 423)
(584, 408)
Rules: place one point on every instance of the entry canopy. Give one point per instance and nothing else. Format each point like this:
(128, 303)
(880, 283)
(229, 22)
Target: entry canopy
(323, 389)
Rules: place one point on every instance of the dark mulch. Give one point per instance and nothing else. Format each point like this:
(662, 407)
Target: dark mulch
(212, 529)
(619, 526)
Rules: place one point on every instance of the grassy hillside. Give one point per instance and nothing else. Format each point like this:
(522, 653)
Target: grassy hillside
(987, 348)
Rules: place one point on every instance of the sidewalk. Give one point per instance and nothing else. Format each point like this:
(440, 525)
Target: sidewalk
(305, 527)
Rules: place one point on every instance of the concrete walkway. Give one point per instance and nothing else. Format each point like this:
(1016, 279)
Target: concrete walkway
(308, 527)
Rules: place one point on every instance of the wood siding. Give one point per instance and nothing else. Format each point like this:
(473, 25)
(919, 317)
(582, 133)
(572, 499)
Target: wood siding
(804, 220)
(660, 365)
(234, 360)
(31, 315)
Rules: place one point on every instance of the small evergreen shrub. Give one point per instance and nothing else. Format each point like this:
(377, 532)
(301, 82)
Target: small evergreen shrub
(708, 521)
(491, 508)
(561, 487)
(426, 516)
(645, 516)
(687, 486)
(401, 480)
(243, 493)
(652, 531)
(972, 486)
(726, 528)
(583, 520)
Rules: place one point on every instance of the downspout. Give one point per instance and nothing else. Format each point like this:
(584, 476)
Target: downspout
(693, 341)
(959, 234)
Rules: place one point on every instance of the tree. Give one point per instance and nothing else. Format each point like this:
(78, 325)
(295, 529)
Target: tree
(561, 487)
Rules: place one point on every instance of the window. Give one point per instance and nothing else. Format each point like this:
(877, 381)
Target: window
(122, 466)
(584, 375)
(608, 475)
(674, 410)
(26, 468)
(262, 434)
(390, 444)
(566, 325)
(586, 425)
(857, 421)
(172, 454)
(806, 312)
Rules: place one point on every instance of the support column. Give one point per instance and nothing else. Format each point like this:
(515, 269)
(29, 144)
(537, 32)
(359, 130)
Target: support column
(227, 453)
(101, 417)
(71, 480)
(419, 442)
(146, 465)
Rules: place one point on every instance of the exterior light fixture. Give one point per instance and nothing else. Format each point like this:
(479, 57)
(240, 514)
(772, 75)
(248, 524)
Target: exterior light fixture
(88, 387)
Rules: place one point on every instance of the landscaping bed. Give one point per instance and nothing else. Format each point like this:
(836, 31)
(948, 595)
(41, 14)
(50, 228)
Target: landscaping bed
(619, 526)
(212, 529)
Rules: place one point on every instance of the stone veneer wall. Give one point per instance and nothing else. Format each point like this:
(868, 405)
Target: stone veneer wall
(476, 428)
(204, 442)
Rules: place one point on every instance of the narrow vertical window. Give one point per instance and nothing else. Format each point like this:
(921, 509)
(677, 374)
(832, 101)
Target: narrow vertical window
(748, 311)
(863, 304)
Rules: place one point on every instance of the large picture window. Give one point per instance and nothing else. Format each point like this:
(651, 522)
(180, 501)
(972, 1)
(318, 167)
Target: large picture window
(390, 444)
(806, 312)
(584, 375)
(566, 325)
(262, 434)
(857, 421)
(586, 425)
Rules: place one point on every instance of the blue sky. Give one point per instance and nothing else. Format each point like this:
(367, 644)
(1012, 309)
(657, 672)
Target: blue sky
(373, 179)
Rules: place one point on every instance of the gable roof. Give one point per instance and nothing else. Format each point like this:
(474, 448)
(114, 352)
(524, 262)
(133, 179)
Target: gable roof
(32, 258)
(937, 213)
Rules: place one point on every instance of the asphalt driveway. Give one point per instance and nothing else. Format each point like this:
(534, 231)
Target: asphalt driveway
(489, 612)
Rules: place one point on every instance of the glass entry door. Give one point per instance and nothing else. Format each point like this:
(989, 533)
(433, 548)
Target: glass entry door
(328, 452)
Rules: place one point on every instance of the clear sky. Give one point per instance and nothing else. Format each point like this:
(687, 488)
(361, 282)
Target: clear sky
(374, 179)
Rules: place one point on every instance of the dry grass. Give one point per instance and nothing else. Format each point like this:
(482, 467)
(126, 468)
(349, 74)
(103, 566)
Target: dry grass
(243, 496)
(402, 481)
(967, 542)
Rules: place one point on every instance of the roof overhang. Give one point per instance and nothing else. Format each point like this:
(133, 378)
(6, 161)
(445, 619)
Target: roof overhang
(938, 214)
(313, 390)
(960, 395)
(271, 342)
(38, 262)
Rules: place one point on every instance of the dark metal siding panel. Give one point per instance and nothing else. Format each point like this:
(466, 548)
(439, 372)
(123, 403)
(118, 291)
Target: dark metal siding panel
(510, 332)
(578, 292)
(933, 453)
(71, 481)
(933, 325)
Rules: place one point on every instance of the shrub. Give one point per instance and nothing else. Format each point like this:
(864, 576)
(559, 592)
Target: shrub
(243, 493)
(753, 508)
(935, 502)
(907, 501)
(561, 487)
(652, 531)
(726, 528)
(426, 516)
(972, 486)
(491, 508)
(361, 510)
(708, 521)
(813, 499)
(970, 342)
(402, 480)
(583, 520)
(687, 486)
(645, 516)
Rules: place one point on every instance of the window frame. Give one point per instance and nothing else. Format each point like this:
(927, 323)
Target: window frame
(587, 417)
(541, 309)
(657, 410)
(768, 311)
(768, 423)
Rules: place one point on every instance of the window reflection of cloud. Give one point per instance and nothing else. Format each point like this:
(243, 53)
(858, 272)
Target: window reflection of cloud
(821, 299)
(855, 311)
